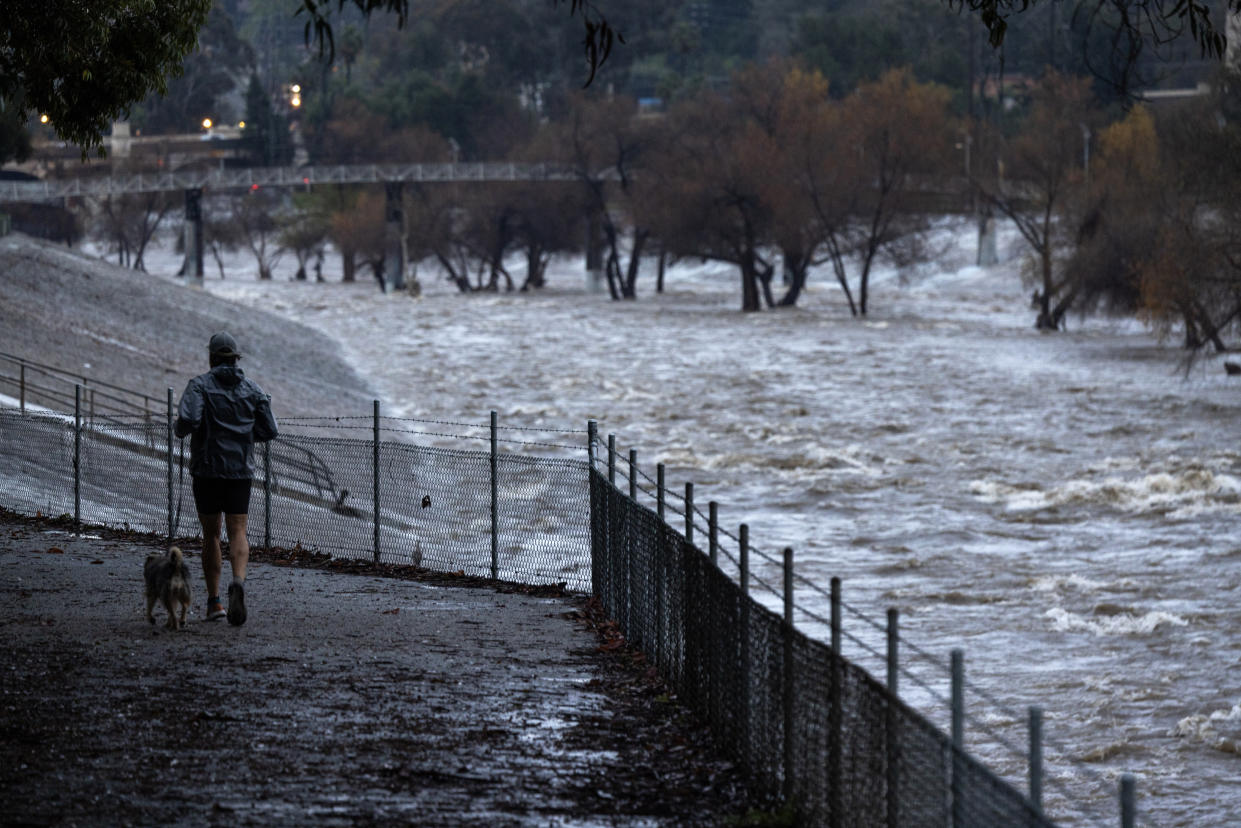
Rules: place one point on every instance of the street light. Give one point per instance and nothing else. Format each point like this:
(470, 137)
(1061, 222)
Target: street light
(207, 123)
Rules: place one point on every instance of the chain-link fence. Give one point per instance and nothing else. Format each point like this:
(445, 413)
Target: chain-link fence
(811, 727)
(488, 512)
(534, 506)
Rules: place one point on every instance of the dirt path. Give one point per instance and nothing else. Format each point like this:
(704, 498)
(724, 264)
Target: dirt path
(346, 699)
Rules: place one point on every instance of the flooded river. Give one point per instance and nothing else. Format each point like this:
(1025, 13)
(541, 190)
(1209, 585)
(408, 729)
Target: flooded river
(1065, 508)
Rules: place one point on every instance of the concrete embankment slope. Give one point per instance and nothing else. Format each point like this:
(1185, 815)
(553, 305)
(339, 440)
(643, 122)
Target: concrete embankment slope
(63, 308)
(346, 699)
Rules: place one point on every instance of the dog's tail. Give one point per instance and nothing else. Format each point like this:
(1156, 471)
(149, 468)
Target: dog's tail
(174, 554)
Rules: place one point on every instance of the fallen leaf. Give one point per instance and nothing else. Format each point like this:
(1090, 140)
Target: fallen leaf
(392, 611)
(97, 561)
(55, 550)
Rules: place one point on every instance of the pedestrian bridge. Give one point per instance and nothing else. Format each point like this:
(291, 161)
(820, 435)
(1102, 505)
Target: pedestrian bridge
(254, 177)
(196, 183)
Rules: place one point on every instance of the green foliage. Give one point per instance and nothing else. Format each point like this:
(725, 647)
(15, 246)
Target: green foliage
(85, 64)
(14, 137)
(849, 48)
(208, 74)
(267, 131)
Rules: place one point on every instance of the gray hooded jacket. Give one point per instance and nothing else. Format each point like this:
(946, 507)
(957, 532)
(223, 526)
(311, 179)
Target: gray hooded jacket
(225, 414)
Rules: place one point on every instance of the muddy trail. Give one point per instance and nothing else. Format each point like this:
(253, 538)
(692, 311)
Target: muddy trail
(352, 696)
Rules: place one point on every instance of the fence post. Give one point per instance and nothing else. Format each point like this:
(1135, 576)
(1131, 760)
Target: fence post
(168, 423)
(610, 540)
(1036, 759)
(788, 675)
(958, 732)
(836, 733)
(375, 475)
(689, 513)
(596, 571)
(22, 396)
(743, 566)
(77, 459)
(267, 495)
(630, 587)
(891, 739)
(659, 491)
(495, 498)
(633, 475)
(661, 563)
(612, 459)
(713, 532)
(1128, 801)
(592, 435)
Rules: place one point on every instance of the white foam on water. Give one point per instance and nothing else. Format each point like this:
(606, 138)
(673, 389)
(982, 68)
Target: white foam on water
(1220, 729)
(1067, 583)
(1177, 494)
(1108, 625)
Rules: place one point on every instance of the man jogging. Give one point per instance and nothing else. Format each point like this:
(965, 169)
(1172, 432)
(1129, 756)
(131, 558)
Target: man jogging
(225, 414)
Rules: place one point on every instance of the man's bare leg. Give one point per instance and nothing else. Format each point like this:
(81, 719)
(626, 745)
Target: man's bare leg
(238, 544)
(211, 552)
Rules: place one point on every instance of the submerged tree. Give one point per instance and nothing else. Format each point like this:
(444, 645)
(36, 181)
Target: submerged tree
(903, 137)
(1159, 233)
(604, 142)
(130, 220)
(1042, 169)
(707, 198)
(255, 216)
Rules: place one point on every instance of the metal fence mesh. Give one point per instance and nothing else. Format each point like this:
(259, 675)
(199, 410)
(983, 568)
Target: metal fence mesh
(31, 446)
(435, 504)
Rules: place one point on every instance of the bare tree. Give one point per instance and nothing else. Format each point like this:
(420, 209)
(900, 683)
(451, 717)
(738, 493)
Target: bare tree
(129, 222)
(254, 214)
(1042, 170)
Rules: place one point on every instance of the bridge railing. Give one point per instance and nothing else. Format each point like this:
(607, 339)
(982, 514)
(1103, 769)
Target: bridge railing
(247, 178)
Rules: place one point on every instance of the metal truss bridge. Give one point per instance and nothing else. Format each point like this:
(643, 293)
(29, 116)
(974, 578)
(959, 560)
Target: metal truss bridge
(250, 178)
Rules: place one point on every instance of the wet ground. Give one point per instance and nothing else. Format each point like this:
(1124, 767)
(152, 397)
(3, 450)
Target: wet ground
(350, 697)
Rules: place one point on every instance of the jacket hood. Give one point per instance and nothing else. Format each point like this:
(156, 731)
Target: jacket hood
(228, 375)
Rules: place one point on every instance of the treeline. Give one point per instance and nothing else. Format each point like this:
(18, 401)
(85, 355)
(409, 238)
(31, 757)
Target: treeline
(459, 64)
(1126, 212)
(770, 134)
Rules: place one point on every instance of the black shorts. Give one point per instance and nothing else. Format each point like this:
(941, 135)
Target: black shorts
(213, 495)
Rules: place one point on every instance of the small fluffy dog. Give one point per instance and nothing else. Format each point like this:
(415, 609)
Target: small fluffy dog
(168, 581)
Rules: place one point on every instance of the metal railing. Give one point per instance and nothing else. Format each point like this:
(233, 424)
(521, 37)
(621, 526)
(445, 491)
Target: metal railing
(47, 386)
(239, 179)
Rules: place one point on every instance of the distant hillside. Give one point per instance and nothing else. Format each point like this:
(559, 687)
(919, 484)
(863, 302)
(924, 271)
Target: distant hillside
(62, 308)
